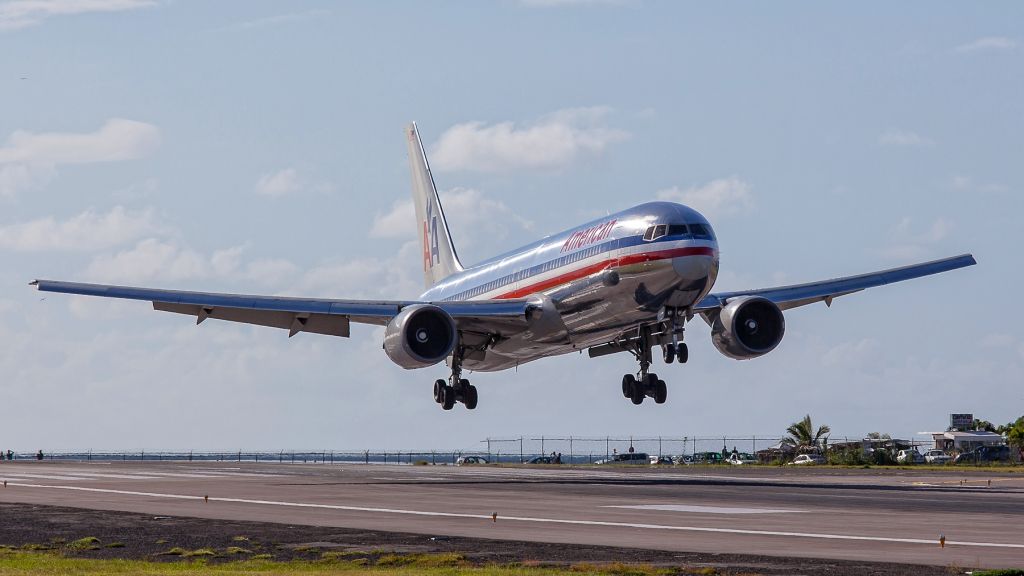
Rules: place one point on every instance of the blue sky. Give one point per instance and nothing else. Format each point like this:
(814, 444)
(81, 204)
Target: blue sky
(257, 147)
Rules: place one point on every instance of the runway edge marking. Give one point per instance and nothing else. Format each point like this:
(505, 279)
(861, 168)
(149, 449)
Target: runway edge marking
(527, 518)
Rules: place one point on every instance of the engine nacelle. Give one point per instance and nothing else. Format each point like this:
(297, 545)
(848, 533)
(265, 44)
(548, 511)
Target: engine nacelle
(420, 335)
(748, 327)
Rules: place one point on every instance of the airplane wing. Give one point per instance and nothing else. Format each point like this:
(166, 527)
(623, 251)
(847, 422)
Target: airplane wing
(316, 315)
(787, 297)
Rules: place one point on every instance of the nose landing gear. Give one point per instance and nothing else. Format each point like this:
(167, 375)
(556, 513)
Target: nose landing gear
(645, 383)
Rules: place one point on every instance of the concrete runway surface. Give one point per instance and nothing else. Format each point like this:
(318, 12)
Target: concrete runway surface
(885, 516)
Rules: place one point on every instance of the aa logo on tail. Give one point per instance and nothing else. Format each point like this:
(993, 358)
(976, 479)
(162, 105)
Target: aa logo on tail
(431, 253)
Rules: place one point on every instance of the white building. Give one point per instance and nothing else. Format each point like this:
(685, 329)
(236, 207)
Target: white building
(965, 441)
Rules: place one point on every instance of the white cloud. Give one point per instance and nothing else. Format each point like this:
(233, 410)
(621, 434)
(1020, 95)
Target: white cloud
(25, 13)
(553, 3)
(17, 177)
(28, 160)
(118, 139)
(988, 43)
(967, 184)
(904, 138)
(279, 19)
(86, 231)
(285, 182)
(166, 260)
(279, 183)
(150, 259)
(479, 224)
(911, 243)
(722, 197)
(851, 354)
(551, 143)
(400, 222)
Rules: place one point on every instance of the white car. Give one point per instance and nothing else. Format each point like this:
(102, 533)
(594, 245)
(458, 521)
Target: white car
(466, 460)
(936, 457)
(909, 456)
(807, 459)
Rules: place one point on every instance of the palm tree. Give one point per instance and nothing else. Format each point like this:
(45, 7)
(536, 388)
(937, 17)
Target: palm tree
(802, 435)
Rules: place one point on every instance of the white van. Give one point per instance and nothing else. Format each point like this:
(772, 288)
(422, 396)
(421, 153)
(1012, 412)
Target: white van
(628, 458)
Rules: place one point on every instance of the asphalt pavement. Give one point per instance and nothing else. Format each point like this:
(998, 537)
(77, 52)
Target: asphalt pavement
(852, 514)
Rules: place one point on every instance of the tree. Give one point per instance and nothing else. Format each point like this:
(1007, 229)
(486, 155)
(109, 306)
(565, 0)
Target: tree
(803, 436)
(878, 436)
(982, 426)
(1015, 434)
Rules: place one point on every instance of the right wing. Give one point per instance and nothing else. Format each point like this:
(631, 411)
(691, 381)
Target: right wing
(787, 297)
(320, 316)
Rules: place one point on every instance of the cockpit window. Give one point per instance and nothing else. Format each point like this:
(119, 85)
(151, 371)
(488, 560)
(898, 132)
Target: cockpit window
(655, 232)
(701, 231)
(677, 229)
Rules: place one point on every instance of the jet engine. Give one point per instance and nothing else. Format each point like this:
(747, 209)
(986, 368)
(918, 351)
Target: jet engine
(420, 335)
(748, 327)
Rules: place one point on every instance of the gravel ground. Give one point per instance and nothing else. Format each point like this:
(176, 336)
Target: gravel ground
(140, 536)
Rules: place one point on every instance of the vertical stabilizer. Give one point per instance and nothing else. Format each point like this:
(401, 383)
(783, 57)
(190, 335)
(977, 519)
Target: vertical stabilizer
(439, 257)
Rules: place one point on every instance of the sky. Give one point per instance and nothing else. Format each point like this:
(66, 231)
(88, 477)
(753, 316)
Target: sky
(256, 147)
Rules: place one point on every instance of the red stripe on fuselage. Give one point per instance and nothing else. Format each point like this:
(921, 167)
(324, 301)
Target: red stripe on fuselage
(599, 266)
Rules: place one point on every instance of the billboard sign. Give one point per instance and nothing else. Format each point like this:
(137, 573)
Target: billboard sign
(961, 421)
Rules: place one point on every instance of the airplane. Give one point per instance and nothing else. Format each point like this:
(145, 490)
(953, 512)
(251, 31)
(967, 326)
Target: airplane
(626, 283)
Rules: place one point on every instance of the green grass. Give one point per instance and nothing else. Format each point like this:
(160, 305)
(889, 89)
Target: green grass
(87, 543)
(17, 562)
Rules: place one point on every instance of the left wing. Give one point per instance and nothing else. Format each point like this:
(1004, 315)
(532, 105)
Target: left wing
(787, 297)
(319, 316)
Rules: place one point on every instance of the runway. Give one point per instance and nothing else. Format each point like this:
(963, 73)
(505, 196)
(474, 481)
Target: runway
(895, 516)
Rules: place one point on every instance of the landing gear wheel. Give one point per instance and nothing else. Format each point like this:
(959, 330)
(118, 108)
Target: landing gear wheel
(650, 383)
(669, 353)
(469, 397)
(448, 397)
(637, 392)
(438, 387)
(628, 382)
(682, 353)
(660, 392)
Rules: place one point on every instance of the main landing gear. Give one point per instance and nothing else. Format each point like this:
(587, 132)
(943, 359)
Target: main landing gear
(457, 389)
(646, 383)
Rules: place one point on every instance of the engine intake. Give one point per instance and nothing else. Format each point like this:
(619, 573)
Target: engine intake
(748, 327)
(419, 336)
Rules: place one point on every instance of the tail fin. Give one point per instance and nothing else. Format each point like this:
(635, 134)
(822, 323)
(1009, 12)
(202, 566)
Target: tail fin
(439, 257)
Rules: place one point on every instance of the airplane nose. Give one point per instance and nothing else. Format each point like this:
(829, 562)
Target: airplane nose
(693, 268)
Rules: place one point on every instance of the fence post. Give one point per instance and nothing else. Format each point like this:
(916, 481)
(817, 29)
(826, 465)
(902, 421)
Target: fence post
(607, 451)
(570, 449)
(521, 450)
(659, 447)
(366, 457)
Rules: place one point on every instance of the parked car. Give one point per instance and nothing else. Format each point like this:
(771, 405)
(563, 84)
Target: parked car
(936, 457)
(909, 456)
(464, 460)
(627, 458)
(541, 460)
(807, 459)
(684, 459)
(984, 454)
(707, 458)
(737, 458)
(661, 460)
